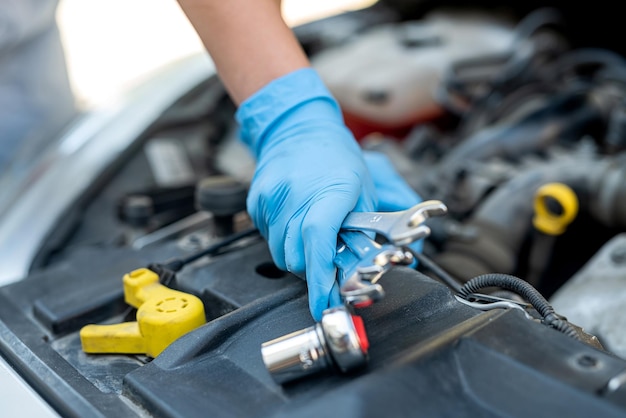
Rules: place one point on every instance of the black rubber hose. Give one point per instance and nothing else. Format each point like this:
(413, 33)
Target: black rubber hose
(536, 20)
(524, 289)
(561, 119)
(586, 58)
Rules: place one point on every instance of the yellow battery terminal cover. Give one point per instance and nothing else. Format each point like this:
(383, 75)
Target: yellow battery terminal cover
(545, 220)
(163, 315)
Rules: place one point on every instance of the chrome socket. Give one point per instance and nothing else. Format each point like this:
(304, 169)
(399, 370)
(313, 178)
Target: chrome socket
(337, 342)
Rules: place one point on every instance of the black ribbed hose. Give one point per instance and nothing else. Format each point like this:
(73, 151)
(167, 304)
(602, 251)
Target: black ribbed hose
(524, 289)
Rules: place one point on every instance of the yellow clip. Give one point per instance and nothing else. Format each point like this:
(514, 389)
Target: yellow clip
(163, 315)
(545, 220)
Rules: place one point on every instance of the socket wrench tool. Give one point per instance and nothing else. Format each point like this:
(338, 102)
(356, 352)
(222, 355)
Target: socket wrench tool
(361, 261)
(339, 340)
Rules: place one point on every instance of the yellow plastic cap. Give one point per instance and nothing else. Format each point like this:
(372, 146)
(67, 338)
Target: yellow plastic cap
(545, 220)
(163, 315)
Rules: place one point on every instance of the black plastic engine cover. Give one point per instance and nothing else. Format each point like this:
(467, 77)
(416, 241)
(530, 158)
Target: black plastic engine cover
(429, 354)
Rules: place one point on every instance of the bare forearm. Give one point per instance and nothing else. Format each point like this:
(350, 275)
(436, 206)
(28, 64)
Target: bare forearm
(248, 41)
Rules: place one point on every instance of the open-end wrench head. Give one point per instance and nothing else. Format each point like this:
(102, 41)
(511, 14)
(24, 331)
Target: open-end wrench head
(399, 228)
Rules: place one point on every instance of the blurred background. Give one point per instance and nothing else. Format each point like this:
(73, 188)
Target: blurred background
(112, 44)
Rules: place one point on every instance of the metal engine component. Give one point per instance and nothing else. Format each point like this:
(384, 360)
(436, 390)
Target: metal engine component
(337, 341)
(595, 297)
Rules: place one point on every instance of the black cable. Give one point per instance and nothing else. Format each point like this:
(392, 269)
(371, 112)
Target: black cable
(441, 274)
(594, 59)
(167, 270)
(231, 239)
(537, 20)
(525, 290)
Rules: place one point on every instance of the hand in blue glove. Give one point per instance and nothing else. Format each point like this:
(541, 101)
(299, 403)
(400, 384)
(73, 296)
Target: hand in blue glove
(310, 174)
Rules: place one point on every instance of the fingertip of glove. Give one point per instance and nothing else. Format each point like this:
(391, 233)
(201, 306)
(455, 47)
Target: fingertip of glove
(318, 306)
(320, 293)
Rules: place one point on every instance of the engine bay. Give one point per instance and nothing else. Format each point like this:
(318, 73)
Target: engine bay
(504, 116)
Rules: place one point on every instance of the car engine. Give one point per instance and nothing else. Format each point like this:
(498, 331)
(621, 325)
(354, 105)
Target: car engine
(512, 308)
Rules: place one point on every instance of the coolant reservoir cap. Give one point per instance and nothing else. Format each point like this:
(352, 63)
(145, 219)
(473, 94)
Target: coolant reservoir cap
(556, 206)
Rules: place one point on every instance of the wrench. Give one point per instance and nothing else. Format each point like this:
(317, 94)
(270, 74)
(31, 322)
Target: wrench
(361, 261)
(399, 228)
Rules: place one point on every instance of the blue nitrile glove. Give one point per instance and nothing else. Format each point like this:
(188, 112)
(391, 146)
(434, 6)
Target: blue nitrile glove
(310, 174)
(392, 190)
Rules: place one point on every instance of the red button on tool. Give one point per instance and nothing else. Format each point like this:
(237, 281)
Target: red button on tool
(363, 304)
(360, 332)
